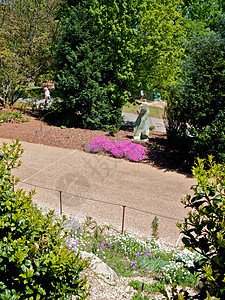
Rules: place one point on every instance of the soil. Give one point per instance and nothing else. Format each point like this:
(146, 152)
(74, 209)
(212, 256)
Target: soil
(42, 132)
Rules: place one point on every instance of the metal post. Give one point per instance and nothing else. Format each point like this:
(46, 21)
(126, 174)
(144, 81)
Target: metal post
(123, 220)
(60, 202)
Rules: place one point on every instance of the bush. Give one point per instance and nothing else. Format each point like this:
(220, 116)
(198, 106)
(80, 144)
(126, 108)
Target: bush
(35, 262)
(11, 117)
(204, 228)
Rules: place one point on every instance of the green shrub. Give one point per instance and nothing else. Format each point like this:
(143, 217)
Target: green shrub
(204, 228)
(112, 130)
(11, 117)
(35, 261)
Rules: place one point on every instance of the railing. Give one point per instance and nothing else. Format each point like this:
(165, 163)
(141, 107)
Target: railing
(125, 208)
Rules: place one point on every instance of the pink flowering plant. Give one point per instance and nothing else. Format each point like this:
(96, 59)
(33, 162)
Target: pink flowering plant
(126, 149)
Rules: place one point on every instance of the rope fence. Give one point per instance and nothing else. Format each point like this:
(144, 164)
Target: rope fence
(124, 207)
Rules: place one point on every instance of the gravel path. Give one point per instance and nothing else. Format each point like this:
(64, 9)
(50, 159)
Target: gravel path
(142, 190)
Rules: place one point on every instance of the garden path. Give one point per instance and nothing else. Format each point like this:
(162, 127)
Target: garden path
(102, 178)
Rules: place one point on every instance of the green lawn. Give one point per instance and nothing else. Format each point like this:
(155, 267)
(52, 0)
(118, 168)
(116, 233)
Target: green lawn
(154, 111)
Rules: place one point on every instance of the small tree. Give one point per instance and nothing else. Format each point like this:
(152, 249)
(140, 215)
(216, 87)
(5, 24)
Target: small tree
(204, 228)
(35, 262)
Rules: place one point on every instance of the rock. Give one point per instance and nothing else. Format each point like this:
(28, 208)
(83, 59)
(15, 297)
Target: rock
(99, 267)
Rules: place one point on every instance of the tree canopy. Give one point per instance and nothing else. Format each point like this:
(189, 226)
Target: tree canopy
(110, 50)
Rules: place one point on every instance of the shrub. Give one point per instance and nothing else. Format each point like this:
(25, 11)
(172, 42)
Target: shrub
(11, 117)
(204, 228)
(35, 262)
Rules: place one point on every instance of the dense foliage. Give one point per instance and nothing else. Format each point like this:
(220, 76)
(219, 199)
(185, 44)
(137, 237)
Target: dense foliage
(204, 228)
(109, 50)
(82, 70)
(196, 106)
(35, 262)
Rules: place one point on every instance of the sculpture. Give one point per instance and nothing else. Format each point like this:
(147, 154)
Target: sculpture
(141, 129)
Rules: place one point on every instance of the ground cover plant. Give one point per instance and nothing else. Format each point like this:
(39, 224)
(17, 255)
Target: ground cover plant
(130, 257)
(35, 262)
(12, 116)
(128, 150)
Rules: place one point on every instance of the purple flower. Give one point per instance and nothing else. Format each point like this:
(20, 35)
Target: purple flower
(127, 149)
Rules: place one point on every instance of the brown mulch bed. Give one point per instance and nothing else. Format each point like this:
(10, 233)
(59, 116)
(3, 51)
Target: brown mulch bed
(36, 131)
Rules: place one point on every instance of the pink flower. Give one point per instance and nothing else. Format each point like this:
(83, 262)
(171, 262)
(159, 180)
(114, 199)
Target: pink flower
(127, 149)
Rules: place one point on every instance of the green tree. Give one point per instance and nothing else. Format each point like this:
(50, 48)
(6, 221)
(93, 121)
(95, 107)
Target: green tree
(35, 262)
(28, 32)
(160, 34)
(195, 108)
(109, 50)
(94, 60)
(201, 10)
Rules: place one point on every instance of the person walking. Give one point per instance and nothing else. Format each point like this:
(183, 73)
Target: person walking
(48, 100)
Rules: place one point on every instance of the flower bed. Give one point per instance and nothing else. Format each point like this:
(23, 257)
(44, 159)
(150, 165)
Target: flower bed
(126, 149)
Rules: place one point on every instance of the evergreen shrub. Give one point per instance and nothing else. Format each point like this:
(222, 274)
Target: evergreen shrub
(35, 262)
(204, 228)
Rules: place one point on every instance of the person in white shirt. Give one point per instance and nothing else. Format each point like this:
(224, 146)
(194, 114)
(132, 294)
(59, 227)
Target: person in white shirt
(47, 97)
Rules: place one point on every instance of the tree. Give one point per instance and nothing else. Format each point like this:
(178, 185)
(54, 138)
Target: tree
(109, 50)
(160, 35)
(196, 107)
(94, 60)
(27, 34)
(201, 10)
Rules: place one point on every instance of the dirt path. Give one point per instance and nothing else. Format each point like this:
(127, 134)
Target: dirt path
(117, 182)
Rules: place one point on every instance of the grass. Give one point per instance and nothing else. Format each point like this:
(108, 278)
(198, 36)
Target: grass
(130, 257)
(154, 111)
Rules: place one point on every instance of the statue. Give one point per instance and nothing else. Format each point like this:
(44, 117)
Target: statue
(141, 129)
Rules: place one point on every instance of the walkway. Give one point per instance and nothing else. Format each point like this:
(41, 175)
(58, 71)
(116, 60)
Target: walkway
(114, 181)
(159, 124)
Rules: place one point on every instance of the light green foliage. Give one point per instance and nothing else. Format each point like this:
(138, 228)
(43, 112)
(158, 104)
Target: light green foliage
(160, 34)
(35, 262)
(204, 228)
(112, 130)
(109, 50)
(201, 10)
(118, 22)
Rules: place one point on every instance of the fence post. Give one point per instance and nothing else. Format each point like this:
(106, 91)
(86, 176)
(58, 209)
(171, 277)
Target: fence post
(60, 202)
(123, 220)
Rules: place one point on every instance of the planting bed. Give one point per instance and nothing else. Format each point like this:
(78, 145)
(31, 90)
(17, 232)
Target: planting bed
(41, 132)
